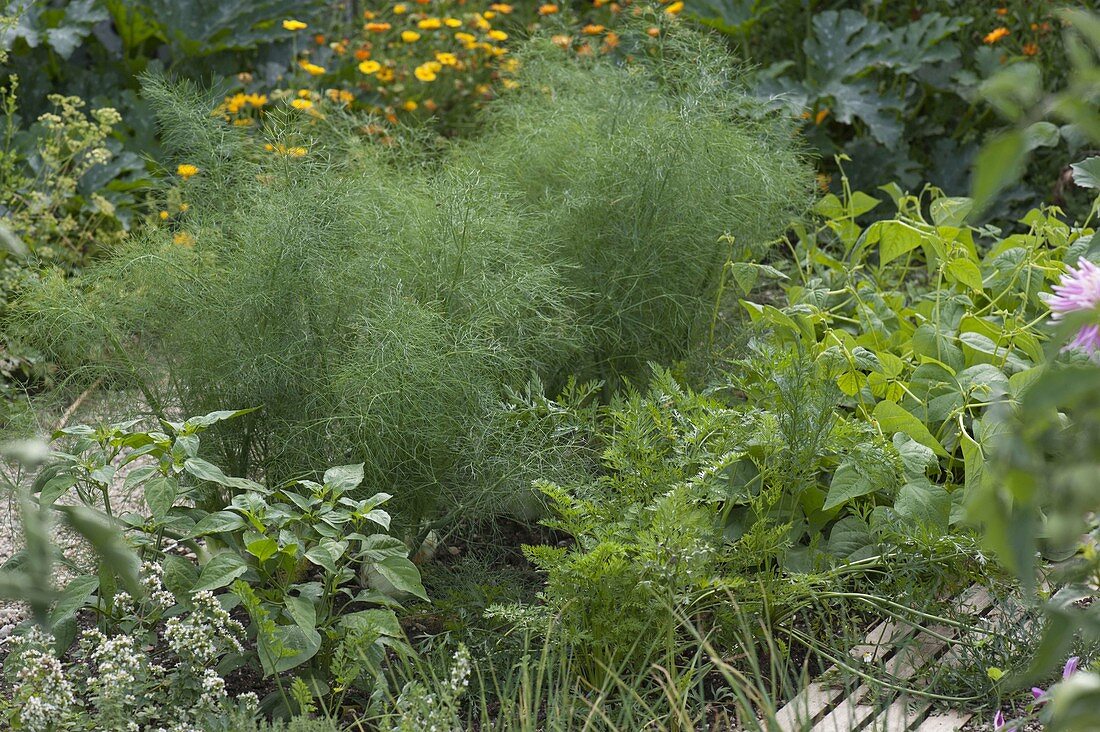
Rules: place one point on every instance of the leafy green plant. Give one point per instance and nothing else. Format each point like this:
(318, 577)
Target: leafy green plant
(113, 681)
(380, 312)
(899, 86)
(924, 327)
(301, 558)
(696, 496)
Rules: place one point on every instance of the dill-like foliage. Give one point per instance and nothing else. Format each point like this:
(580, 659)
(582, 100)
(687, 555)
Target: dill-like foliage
(378, 306)
(636, 173)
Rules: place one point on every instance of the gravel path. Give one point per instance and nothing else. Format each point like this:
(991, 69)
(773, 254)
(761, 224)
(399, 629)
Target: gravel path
(93, 409)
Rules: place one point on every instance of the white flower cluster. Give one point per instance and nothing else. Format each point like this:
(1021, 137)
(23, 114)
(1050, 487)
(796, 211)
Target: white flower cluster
(203, 635)
(45, 695)
(152, 579)
(123, 670)
(422, 711)
(113, 683)
(460, 671)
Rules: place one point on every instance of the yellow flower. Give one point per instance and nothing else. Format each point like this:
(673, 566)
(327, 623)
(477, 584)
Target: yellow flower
(385, 74)
(509, 83)
(244, 122)
(466, 39)
(377, 27)
(447, 59)
(821, 115)
(184, 206)
(302, 104)
(674, 8)
(548, 9)
(592, 29)
(186, 170)
(400, 9)
(481, 23)
(488, 15)
(429, 24)
(498, 35)
(409, 105)
(296, 152)
(425, 73)
(305, 93)
(184, 239)
(312, 69)
(452, 22)
(370, 67)
(501, 7)
(294, 25)
(995, 35)
(341, 96)
(163, 215)
(410, 36)
(562, 40)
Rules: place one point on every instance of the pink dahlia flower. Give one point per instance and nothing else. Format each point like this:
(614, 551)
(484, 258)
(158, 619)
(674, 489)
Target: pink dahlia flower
(1079, 290)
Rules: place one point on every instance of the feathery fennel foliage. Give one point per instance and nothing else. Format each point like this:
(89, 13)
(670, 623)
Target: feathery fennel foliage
(379, 307)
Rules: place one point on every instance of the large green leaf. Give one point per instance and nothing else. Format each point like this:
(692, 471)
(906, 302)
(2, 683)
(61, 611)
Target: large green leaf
(160, 495)
(74, 596)
(894, 418)
(847, 483)
(344, 478)
(403, 575)
(220, 571)
(850, 538)
(924, 502)
(1087, 172)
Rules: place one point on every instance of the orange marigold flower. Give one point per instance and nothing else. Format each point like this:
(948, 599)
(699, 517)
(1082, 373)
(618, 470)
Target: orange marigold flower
(995, 35)
(319, 39)
(1002, 12)
(821, 115)
(501, 7)
(592, 29)
(361, 54)
(563, 41)
(611, 40)
(653, 32)
(548, 9)
(1031, 49)
(430, 105)
(377, 27)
